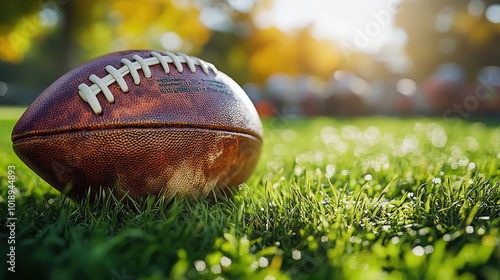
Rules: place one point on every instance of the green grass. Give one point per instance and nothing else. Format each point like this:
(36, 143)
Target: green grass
(368, 198)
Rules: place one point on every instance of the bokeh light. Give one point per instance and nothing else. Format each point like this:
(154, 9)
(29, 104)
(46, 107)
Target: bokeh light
(407, 87)
(171, 41)
(493, 13)
(3, 88)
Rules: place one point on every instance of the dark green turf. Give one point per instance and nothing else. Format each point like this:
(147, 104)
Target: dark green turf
(369, 198)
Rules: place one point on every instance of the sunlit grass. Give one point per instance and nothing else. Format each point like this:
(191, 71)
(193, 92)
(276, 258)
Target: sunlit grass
(369, 198)
(11, 113)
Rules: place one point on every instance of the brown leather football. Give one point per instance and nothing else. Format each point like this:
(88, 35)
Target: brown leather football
(141, 121)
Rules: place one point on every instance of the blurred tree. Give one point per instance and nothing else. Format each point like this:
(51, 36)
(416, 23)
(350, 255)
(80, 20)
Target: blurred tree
(272, 51)
(20, 26)
(443, 31)
(90, 28)
(41, 40)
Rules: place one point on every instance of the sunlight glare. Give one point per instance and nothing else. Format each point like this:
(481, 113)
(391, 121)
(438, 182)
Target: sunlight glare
(366, 25)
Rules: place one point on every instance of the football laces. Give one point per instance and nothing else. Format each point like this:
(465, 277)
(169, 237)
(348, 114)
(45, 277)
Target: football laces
(89, 93)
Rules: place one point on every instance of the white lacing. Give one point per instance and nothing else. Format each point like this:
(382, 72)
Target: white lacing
(89, 93)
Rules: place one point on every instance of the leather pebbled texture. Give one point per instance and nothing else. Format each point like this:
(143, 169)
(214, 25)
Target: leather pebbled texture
(182, 133)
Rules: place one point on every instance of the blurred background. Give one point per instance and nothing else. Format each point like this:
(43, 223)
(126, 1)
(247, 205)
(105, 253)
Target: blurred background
(293, 57)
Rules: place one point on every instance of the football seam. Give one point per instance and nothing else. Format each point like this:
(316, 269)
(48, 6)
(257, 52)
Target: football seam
(89, 93)
(26, 136)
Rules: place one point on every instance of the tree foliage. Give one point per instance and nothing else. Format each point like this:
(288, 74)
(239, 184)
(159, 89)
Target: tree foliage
(471, 41)
(59, 34)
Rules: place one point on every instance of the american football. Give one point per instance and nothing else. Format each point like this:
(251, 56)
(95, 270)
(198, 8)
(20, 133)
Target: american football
(144, 122)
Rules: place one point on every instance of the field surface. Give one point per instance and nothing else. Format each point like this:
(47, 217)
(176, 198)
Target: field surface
(368, 198)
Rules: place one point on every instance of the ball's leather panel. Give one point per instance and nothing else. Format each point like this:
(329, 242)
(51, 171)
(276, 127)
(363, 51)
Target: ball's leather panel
(142, 161)
(183, 133)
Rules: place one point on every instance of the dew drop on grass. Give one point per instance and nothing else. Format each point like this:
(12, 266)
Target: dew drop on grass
(410, 143)
(216, 269)
(319, 157)
(263, 262)
(469, 229)
(355, 239)
(472, 144)
(325, 201)
(298, 170)
(317, 172)
(255, 265)
(330, 171)
(418, 251)
(463, 161)
(200, 265)
(372, 135)
(327, 133)
(296, 255)
(447, 237)
(225, 261)
(437, 135)
(368, 177)
(422, 231)
(342, 147)
(429, 249)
